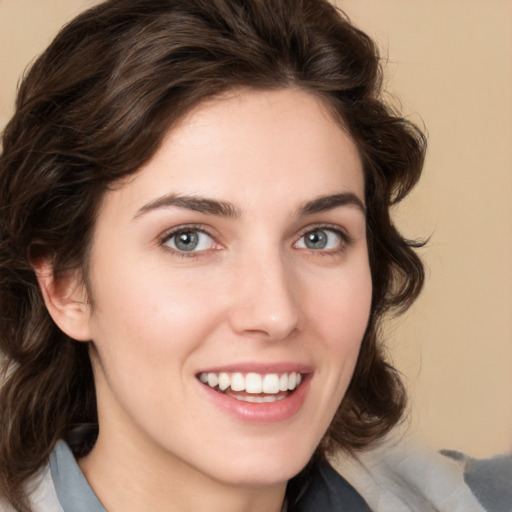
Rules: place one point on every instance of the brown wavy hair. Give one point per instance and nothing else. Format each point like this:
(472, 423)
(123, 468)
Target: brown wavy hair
(95, 106)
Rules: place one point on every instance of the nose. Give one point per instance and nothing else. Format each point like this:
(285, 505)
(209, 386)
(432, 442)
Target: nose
(264, 299)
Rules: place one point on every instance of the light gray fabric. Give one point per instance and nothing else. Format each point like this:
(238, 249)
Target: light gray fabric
(42, 494)
(489, 479)
(403, 477)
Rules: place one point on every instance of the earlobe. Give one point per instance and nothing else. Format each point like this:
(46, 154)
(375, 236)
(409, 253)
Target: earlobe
(65, 299)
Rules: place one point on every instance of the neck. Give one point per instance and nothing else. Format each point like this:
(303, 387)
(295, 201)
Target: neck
(132, 478)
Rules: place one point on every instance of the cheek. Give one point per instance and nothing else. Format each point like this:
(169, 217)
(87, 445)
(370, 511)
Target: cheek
(145, 330)
(338, 312)
(341, 312)
(149, 315)
(342, 308)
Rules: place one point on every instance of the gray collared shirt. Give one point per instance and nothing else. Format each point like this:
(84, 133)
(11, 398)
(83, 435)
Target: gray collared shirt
(73, 491)
(327, 491)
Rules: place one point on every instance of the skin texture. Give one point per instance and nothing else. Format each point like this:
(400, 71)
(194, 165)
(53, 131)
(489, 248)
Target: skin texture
(253, 294)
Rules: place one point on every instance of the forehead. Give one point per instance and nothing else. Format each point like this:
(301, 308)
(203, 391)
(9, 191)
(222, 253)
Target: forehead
(253, 147)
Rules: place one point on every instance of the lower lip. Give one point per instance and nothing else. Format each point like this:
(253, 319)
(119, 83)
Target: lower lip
(269, 412)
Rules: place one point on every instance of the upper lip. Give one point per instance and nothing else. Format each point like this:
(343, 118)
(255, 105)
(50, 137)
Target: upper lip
(260, 367)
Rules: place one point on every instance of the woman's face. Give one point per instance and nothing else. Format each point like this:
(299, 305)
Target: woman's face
(236, 256)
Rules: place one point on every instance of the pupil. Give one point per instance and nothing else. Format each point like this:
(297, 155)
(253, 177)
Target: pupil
(316, 240)
(187, 241)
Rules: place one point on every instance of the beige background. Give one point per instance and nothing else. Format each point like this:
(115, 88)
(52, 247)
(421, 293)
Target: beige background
(451, 62)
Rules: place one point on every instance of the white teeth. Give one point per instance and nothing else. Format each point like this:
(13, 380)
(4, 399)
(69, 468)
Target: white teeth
(271, 383)
(292, 380)
(237, 382)
(224, 381)
(283, 382)
(213, 380)
(254, 383)
(260, 399)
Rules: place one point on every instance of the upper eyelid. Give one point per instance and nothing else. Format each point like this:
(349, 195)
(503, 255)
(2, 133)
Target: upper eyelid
(327, 226)
(168, 233)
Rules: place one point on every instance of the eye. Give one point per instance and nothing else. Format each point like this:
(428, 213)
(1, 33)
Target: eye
(189, 240)
(321, 239)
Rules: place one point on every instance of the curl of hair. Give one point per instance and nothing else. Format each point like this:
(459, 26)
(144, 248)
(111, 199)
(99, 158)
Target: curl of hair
(96, 105)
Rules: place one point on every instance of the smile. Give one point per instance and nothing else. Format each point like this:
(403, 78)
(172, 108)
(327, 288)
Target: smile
(253, 387)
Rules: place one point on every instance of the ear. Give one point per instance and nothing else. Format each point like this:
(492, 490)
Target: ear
(66, 299)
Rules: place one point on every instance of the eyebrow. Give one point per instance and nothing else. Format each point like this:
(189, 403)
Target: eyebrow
(194, 203)
(229, 210)
(324, 203)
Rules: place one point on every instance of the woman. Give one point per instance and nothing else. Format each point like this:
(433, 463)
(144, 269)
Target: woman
(196, 252)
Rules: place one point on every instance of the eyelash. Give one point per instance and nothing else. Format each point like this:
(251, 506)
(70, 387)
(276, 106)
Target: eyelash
(346, 239)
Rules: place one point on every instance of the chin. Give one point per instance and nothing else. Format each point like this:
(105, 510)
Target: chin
(265, 471)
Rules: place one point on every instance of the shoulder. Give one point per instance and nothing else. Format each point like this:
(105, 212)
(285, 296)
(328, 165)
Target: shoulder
(43, 497)
(404, 477)
(489, 479)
